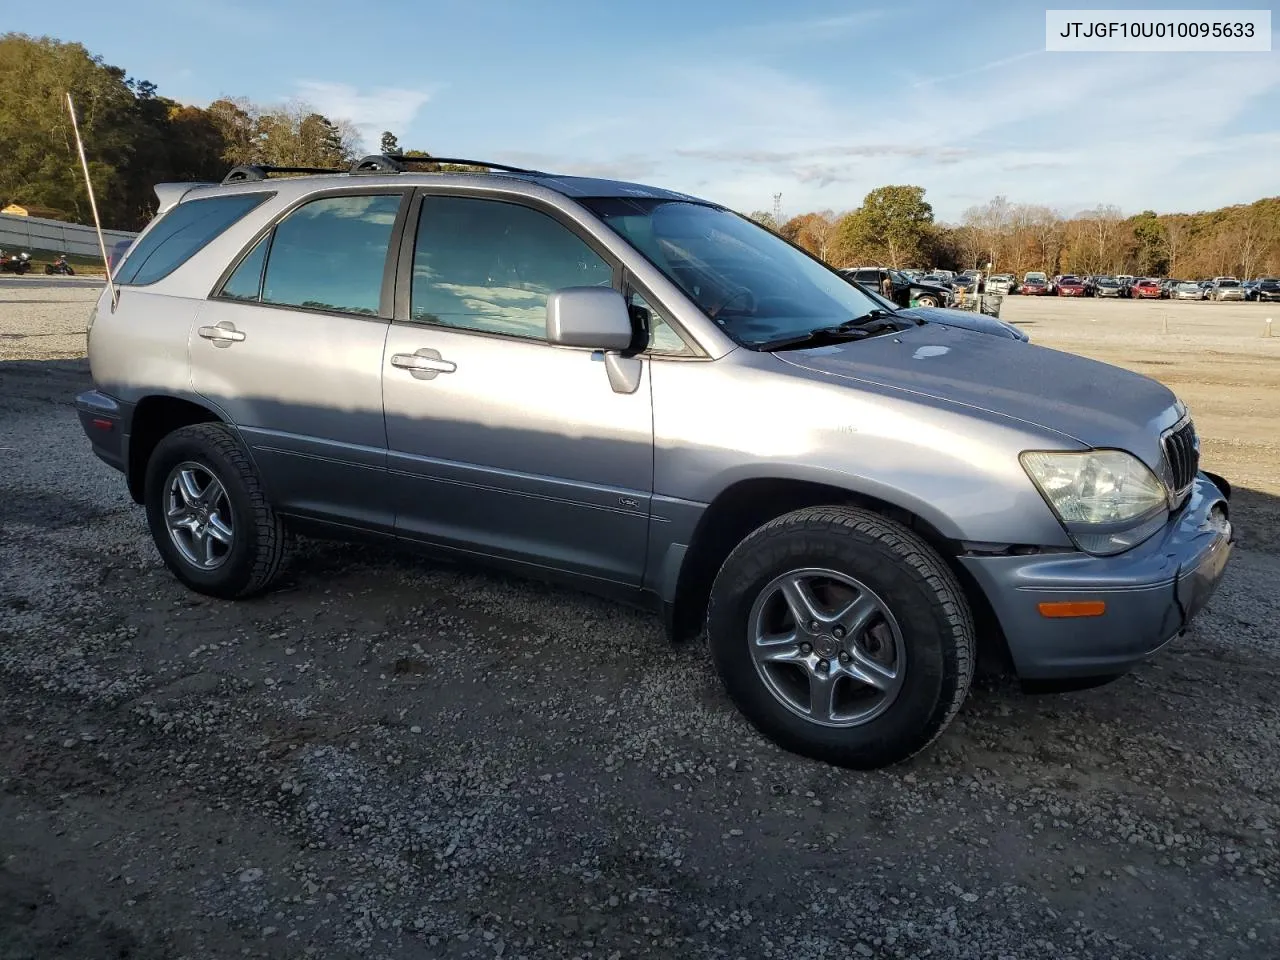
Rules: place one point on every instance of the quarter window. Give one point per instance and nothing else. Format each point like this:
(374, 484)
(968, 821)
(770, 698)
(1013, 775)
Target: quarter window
(330, 254)
(490, 266)
(181, 233)
(246, 282)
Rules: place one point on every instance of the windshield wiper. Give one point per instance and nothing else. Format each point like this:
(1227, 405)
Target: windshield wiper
(870, 324)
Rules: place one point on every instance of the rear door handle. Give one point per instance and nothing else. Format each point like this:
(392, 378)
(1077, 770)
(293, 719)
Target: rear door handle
(223, 333)
(423, 364)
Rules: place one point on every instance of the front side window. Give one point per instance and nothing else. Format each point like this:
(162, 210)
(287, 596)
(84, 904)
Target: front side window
(750, 282)
(330, 254)
(490, 266)
(180, 233)
(662, 337)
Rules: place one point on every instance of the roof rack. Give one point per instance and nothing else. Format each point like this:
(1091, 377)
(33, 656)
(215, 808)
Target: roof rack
(398, 163)
(260, 171)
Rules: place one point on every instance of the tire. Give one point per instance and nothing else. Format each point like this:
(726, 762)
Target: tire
(928, 300)
(254, 554)
(920, 612)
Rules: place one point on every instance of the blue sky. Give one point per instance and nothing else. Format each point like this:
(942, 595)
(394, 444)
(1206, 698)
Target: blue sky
(733, 101)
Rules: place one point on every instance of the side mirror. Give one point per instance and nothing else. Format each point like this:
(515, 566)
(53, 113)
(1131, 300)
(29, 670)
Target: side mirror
(594, 317)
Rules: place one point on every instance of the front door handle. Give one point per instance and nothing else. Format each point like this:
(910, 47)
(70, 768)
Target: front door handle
(223, 333)
(423, 364)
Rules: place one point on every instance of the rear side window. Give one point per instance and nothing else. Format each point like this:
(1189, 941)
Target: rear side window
(181, 233)
(329, 254)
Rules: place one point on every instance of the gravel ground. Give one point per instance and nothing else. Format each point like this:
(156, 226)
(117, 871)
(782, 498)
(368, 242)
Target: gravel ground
(391, 758)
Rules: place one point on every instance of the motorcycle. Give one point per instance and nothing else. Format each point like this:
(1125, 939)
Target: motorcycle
(18, 263)
(59, 266)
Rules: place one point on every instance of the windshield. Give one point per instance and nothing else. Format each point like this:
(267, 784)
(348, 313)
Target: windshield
(1228, 283)
(753, 284)
(1188, 286)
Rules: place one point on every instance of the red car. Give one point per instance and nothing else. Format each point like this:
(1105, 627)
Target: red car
(1034, 287)
(1148, 289)
(1070, 287)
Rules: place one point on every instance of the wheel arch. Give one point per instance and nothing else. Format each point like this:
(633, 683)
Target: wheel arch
(750, 503)
(155, 417)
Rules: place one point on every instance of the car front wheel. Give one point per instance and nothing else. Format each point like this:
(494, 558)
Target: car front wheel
(927, 301)
(209, 515)
(842, 635)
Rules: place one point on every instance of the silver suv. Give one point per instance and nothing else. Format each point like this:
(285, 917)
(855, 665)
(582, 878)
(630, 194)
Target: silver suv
(649, 396)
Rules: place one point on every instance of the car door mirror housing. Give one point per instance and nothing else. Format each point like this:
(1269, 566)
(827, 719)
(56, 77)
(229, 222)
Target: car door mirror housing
(593, 317)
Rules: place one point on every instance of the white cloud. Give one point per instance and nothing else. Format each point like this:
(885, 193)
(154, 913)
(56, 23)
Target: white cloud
(372, 111)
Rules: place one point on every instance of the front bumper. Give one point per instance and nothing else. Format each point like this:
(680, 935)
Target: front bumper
(1152, 593)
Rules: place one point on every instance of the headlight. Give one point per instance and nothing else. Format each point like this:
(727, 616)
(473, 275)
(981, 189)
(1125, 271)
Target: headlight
(1108, 500)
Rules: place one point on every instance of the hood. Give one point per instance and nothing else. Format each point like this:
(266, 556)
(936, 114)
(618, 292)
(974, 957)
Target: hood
(966, 320)
(1094, 403)
(930, 287)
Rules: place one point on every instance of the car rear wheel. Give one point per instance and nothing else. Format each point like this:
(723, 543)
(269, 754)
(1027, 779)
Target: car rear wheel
(841, 635)
(209, 516)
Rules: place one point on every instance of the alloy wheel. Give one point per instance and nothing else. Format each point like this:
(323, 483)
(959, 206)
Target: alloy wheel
(827, 647)
(198, 515)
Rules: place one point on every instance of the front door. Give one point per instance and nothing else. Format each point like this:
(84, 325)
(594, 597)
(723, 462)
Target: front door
(499, 443)
(290, 349)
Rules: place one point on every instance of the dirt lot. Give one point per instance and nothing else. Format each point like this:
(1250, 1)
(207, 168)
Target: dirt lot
(389, 758)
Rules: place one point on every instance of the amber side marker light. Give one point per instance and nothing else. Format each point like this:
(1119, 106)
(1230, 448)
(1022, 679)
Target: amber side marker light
(1073, 608)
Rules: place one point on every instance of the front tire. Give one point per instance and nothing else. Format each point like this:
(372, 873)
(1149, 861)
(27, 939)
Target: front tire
(209, 515)
(842, 635)
(927, 301)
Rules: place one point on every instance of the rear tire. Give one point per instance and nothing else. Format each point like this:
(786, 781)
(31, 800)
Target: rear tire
(209, 515)
(873, 692)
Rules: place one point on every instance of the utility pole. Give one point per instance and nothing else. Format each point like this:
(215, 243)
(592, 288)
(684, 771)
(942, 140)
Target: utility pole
(777, 209)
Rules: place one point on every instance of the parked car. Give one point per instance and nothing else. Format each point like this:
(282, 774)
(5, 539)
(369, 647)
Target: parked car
(905, 290)
(1145, 289)
(964, 319)
(1267, 290)
(1002, 283)
(1034, 285)
(1106, 287)
(1187, 290)
(1071, 287)
(1227, 288)
(652, 397)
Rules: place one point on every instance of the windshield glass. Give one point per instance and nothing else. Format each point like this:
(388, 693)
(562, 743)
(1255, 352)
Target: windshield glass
(1228, 283)
(752, 283)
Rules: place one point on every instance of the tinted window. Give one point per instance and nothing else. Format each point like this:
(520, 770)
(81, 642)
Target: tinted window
(181, 233)
(246, 282)
(330, 254)
(662, 338)
(752, 283)
(490, 266)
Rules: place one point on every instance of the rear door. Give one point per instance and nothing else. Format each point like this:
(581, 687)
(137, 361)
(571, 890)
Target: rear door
(290, 349)
(500, 443)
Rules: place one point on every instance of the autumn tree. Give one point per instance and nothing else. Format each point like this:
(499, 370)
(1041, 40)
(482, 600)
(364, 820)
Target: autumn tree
(893, 226)
(1149, 244)
(814, 232)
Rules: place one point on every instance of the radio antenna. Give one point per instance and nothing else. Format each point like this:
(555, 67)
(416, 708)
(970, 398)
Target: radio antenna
(93, 204)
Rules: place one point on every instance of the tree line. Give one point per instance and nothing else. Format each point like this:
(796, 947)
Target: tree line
(134, 137)
(895, 226)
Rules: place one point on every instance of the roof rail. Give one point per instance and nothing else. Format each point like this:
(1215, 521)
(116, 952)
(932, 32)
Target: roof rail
(398, 162)
(260, 171)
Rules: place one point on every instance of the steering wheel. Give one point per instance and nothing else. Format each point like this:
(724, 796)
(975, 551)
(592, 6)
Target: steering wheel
(749, 306)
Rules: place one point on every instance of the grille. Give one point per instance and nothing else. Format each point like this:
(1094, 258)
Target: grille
(1182, 453)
